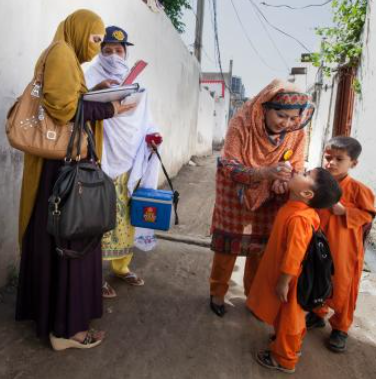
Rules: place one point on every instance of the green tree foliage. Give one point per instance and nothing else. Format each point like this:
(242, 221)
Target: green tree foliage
(174, 10)
(342, 43)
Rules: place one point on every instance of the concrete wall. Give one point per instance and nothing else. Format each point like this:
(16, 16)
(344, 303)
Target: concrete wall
(323, 91)
(205, 123)
(363, 125)
(364, 122)
(222, 110)
(172, 79)
(219, 84)
(322, 122)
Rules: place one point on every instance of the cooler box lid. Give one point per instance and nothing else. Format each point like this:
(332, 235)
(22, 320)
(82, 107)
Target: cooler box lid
(152, 194)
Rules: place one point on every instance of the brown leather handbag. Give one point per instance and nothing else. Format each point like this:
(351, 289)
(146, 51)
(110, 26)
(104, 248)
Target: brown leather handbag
(29, 127)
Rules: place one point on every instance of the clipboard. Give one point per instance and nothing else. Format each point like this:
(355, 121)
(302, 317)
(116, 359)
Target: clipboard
(134, 98)
(111, 94)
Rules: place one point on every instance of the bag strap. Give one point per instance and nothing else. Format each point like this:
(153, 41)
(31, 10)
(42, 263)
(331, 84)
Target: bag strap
(164, 170)
(76, 129)
(92, 151)
(80, 126)
(176, 193)
(39, 73)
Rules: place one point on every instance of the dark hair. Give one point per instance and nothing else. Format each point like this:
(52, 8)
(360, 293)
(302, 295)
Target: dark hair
(327, 191)
(348, 144)
(103, 44)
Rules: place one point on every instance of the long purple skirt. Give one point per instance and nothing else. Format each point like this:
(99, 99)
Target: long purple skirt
(61, 295)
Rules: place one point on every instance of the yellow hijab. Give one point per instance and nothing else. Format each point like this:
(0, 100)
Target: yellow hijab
(63, 84)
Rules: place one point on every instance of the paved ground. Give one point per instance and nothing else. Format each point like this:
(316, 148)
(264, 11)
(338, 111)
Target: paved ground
(165, 330)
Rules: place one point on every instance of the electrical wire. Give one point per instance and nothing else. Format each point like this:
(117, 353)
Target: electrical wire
(250, 41)
(214, 3)
(296, 8)
(271, 39)
(278, 29)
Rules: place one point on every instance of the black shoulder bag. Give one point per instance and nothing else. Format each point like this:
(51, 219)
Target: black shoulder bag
(83, 201)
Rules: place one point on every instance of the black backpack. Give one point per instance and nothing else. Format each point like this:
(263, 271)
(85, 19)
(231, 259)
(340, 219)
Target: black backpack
(315, 281)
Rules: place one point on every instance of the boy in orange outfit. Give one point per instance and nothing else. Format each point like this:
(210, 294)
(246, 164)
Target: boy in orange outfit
(273, 295)
(343, 226)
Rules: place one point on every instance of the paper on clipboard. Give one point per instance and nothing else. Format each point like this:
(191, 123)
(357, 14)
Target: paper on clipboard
(134, 98)
(111, 94)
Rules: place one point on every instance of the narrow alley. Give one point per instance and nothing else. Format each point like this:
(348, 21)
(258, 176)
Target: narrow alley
(166, 330)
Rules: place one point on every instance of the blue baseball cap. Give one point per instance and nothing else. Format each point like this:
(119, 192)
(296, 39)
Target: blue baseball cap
(114, 34)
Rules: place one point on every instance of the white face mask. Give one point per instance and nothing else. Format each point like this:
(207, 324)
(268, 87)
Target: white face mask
(114, 66)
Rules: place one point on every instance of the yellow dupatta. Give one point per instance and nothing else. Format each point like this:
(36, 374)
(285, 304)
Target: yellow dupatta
(64, 82)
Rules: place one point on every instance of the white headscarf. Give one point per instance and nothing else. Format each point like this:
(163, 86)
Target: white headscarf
(113, 67)
(124, 146)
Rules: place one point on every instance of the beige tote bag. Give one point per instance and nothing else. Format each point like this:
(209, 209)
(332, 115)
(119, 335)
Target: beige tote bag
(30, 129)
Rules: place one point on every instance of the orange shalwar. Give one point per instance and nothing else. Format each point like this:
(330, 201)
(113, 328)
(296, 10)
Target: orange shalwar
(345, 236)
(285, 251)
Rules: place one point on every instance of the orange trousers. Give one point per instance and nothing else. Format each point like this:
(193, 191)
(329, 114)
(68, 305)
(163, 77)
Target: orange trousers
(286, 346)
(222, 267)
(342, 320)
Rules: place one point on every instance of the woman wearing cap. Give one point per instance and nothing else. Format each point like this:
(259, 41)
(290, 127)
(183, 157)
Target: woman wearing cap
(251, 179)
(61, 295)
(127, 147)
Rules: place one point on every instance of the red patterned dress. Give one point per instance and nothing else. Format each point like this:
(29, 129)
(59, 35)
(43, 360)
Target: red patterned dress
(235, 229)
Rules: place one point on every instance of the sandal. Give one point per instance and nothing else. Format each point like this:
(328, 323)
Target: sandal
(265, 359)
(218, 309)
(132, 279)
(107, 291)
(314, 321)
(90, 341)
(272, 338)
(337, 341)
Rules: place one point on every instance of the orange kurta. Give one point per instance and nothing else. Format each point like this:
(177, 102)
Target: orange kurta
(345, 236)
(285, 251)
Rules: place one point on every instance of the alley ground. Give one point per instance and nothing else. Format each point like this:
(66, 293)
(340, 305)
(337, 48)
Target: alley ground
(165, 329)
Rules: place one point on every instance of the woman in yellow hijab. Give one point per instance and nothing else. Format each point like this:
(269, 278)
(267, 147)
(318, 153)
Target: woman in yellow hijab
(61, 295)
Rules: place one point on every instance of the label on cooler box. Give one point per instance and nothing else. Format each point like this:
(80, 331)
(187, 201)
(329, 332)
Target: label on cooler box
(150, 214)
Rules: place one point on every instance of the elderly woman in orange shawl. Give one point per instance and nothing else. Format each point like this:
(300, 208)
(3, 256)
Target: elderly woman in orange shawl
(61, 295)
(265, 142)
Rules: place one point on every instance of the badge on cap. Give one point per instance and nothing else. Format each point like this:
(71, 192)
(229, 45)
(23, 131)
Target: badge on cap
(119, 35)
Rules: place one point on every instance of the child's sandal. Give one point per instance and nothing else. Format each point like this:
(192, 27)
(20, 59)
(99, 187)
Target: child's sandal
(337, 341)
(265, 359)
(272, 338)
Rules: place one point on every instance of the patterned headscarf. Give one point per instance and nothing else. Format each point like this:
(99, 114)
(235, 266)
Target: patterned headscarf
(248, 141)
(293, 100)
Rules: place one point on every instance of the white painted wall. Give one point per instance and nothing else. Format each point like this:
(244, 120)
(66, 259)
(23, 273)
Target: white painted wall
(172, 80)
(222, 109)
(205, 123)
(322, 122)
(364, 118)
(364, 122)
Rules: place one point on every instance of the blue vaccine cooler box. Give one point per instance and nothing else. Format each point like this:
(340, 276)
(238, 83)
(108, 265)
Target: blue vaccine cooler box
(152, 209)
